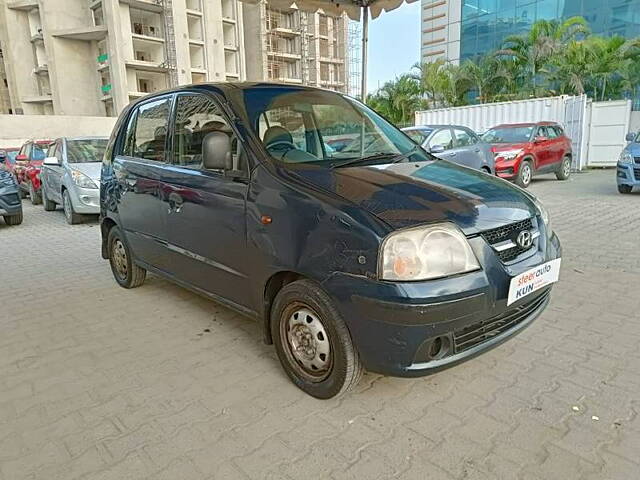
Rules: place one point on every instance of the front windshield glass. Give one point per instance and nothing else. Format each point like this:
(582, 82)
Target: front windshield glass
(37, 153)
(508, 135)
(418, 136)
(324, 128)
(86, 151)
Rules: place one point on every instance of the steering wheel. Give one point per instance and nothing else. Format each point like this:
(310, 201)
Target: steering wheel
(281, 143)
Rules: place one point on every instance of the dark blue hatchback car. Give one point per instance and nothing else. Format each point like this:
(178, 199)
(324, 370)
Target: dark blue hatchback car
(377, 256)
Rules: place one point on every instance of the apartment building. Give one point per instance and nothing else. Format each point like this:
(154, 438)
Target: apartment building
(5, 99)
(296, 47)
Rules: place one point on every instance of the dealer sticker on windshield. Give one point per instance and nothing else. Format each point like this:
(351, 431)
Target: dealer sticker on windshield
(534, 279)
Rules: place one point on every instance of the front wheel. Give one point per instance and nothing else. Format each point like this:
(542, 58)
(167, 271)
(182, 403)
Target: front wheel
(70, 215)
(625, 188)
(312, 341)
(125, 271)
(564, 172)
(13, 219)
(36, 199)
(49, 206)
(525, 173)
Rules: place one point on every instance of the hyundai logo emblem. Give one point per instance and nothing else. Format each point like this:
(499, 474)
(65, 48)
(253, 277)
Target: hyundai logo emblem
(525, 239)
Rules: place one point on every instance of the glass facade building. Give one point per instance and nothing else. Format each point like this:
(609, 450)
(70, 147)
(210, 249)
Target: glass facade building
(485, 23)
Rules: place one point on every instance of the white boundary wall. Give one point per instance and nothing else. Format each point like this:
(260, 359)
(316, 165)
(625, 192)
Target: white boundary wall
(16, 129)
(597, 129)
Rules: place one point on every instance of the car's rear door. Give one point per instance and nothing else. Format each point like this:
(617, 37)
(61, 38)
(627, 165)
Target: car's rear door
(556, 145)
(206, 220)
(542, 148)
(139, 167)
(467, 149)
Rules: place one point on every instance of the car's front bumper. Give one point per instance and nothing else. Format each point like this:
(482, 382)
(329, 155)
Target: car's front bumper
(85, 201)
(10, 203)
(628, 174)
(394, 325)
(507, 169)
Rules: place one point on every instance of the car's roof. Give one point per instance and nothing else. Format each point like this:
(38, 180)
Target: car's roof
(525, 124)
(433, 127)
(71, 139)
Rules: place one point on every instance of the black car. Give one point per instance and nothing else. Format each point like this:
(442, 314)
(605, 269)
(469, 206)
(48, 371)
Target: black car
(373, 257)
(10, 202)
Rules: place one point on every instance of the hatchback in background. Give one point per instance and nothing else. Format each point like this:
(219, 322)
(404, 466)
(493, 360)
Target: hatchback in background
(454, 143)
(628, 171)
(27, 168)
(10, 203)
(8, 158)
(71, 176)
(525, 149)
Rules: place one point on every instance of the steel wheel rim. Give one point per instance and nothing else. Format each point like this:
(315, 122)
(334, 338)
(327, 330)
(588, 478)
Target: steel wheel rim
(306, 342)
(119, 256)
(66, 205)
(526, 174)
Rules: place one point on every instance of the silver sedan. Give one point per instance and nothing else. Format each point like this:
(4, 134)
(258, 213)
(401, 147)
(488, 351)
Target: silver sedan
(455, 143)
(70, 176)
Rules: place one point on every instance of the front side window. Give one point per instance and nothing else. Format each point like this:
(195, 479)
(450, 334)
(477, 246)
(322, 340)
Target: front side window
(86, 151)
(196, 117)
(552, 133)
(147, 131)
(37, 153)
(298, 125)
(442, 137)
(418, 136)
(464, 138)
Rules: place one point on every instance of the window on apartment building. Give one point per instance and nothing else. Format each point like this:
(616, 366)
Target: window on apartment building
(147, 130)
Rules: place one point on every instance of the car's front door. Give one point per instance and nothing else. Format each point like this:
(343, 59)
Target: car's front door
(443, 138)
(206, 220)
(556, 146)
(52, 174)
(467, 149)
(139, 167)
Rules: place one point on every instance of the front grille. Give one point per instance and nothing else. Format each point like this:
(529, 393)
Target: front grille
(12, 199)
(637, 159)
(636, 173)
(508, 232)
(472, 335)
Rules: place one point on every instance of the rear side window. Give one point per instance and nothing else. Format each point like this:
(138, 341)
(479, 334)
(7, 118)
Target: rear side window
(559, 130)
(552, 132)
(442, 137)
(464, 138)
(146, 135)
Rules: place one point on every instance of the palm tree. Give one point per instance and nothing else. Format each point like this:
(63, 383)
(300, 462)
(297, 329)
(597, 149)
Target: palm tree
(611, 56)
(487, 75)
(534, 49)
(432, 80)
(398, 99)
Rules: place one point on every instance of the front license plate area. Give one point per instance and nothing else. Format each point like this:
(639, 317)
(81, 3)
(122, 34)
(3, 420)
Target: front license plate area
(533, 280)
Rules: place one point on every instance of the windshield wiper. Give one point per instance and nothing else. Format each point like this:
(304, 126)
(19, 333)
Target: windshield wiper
(393, 158)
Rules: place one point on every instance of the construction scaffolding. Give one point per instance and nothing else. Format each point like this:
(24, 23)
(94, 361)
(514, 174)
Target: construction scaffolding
(354, 66)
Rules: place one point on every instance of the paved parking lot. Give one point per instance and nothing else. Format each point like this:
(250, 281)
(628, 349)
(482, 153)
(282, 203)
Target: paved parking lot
(97, 382)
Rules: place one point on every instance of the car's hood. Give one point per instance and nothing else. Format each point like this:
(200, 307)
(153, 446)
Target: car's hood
(633, 149)
(502, 147)
(406, 194)
(91, 170)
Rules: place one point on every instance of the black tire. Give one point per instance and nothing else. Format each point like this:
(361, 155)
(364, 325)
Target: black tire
(35, 197)
(486, 170)
(13, 219)
(49, 205)
(564, 170)
(525, 174)
(625, 188)
(23, 194)
(70, 215)
(125, 271)
(343, 369)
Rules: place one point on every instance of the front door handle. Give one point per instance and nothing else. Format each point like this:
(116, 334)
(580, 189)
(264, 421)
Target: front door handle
(451, 154)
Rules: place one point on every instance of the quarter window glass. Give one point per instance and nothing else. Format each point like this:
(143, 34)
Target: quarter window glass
(444, 138)
(542, 132)
(150, 130)
(463, 138)
(196, 117)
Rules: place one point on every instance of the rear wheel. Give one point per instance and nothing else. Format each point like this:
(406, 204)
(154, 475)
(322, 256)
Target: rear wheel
(49, 206)
(312, 341)
(13, 219)
(564, 172)
(125, 271)
(70, 215)
(625, 188)
(34, 195)
(525, 173)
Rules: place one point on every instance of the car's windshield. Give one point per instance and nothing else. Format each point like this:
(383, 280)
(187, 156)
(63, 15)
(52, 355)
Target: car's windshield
(418, 136)
(37, 153)
(86, 150)
(508, 135)
(324, 128)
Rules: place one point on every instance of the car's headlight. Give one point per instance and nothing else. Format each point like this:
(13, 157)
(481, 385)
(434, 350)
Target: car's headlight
(626, 157)
(508, 154)
(544, 214)
(81, 180)
(426, 252)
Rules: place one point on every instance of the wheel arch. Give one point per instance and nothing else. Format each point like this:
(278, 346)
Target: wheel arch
(273, 285)
(105, 227)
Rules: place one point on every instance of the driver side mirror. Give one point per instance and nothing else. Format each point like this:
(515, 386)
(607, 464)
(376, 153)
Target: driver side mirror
(216, 151)
(51, 161)
(21, 158)
(540, 139)
(436, 149)
(631, 136)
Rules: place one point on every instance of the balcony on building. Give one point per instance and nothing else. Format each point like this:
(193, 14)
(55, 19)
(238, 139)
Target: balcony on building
(145, 83)
(146, 26)
(147, 56)
(147, 5)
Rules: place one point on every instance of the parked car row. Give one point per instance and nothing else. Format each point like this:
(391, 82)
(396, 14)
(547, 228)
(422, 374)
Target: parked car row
(514, 152)
(63, 172)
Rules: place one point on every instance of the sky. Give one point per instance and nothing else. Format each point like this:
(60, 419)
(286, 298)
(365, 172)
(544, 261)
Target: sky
(394, 44)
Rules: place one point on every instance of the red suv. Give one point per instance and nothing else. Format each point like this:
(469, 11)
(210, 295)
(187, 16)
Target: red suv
(524, 149)
(27, 168)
